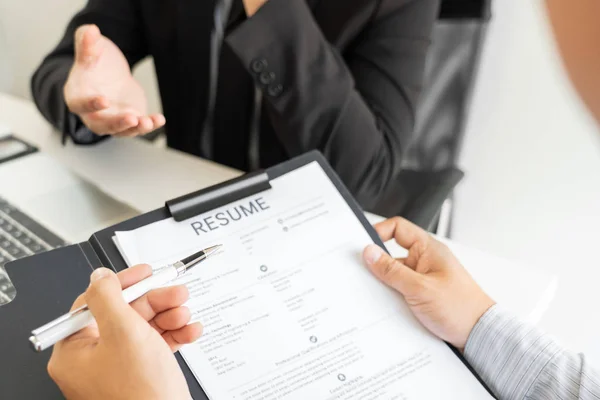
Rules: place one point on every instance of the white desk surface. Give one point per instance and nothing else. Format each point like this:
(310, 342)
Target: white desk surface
(133, 171)
(144, 177)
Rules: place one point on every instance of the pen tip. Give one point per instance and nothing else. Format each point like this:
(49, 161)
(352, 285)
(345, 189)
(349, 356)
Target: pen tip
(212, 250)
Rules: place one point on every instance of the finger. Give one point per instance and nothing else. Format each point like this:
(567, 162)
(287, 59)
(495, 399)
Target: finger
(133, 275)
(391, 271)
(105, 300)
(158, 120)
(404, 232)
(406, 262)
(186, 335)
(79, 301)
(128, 277)
(160, 300)
(173, 319)
(89, 332)
(145, 125)
(124, 123)
(104, 122)
(156, 327)
(135, 131)
(87, 39)
(121, 123)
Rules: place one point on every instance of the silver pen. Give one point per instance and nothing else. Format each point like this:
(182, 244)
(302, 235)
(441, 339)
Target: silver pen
(62, 327)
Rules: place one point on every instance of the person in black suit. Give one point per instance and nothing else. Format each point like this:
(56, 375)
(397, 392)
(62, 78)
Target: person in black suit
(340, 76)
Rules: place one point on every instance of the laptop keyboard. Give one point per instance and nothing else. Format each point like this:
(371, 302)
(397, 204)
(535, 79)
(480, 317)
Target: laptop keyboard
(20, 236)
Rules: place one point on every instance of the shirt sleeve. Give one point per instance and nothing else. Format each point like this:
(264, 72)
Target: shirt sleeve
(517, 361)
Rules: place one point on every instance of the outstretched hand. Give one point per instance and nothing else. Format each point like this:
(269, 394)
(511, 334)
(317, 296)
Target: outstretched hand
(101, 90)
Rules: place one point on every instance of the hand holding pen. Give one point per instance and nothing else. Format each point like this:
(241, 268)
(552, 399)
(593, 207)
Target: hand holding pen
(128, 352)
(77, 319)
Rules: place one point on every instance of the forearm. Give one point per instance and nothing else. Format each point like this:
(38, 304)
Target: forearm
(315, 102)
(519, 362)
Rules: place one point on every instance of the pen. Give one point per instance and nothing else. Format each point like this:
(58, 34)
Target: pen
(62, 327)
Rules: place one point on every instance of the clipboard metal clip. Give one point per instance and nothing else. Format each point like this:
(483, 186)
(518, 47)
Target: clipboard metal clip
(204, 200)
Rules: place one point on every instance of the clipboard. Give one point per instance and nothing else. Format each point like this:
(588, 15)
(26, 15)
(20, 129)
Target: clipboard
(48, 283)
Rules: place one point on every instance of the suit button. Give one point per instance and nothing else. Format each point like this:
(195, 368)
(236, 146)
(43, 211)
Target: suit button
(258, 65)
(266, 78)
(275, 90)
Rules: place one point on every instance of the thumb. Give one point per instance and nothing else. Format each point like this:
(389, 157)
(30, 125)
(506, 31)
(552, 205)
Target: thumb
(105, 300)
(87, 38)
(391, 271)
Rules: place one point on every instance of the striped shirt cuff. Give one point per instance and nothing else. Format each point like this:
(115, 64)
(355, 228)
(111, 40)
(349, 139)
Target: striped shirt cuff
(508, 354)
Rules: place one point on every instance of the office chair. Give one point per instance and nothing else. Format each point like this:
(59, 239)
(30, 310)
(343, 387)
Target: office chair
(429, 175)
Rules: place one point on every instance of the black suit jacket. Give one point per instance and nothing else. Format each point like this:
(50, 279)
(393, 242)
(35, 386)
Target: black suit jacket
(341, 76)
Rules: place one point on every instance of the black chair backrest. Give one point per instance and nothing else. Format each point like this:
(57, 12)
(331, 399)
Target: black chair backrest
(430, 172)
(465, 9)
(449, 78)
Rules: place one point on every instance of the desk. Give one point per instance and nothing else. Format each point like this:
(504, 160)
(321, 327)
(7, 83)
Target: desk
(144, 176)
(155, 174)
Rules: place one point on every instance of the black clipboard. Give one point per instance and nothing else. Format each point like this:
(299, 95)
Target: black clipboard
(48, 283)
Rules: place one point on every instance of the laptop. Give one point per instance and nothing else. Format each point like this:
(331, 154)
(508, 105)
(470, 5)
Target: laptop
(44, 206)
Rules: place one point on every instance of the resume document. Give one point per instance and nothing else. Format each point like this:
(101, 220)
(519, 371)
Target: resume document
(289, 310)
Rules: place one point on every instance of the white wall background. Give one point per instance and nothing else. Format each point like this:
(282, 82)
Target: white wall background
(532, 155)
(532, 158)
